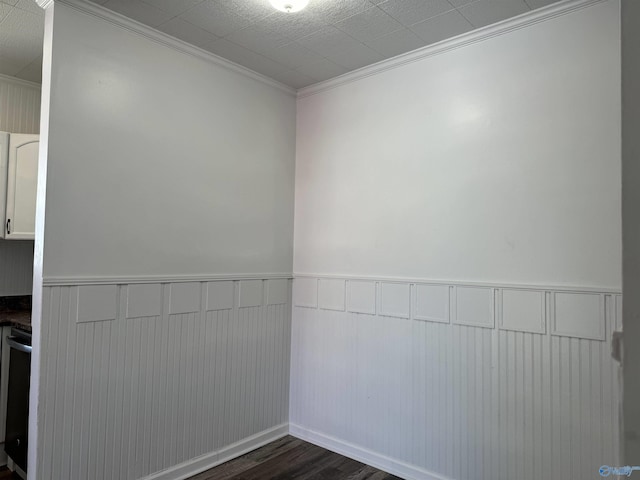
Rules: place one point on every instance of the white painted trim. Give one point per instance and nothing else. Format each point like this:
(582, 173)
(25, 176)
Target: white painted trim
(205, 462)
(494, 301)
(427, 318)
(167, 40)
(382, 309)
(455, 318)
(382, 462)
(602, 332)
(35, 449)
(541, 328)
(106, 280)
(516, 23)
(428, 281)
(11, 465)
(19, 81)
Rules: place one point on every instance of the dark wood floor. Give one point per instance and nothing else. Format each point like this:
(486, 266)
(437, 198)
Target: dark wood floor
(6, 474)
(293, 459)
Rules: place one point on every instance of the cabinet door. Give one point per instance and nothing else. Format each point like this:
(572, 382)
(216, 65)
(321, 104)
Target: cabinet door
(22, 182)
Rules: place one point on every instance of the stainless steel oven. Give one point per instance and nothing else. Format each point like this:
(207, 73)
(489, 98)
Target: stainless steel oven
(17, 427)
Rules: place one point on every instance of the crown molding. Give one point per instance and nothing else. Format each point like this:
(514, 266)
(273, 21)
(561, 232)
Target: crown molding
(124, 280)
(167, 40)
(19, 81)
(475, 36)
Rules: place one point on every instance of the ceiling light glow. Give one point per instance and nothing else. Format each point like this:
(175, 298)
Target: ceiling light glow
(289, 6)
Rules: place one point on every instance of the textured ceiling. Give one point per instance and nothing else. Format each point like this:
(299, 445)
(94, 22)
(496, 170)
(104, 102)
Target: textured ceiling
(327, 39)
(21, 34)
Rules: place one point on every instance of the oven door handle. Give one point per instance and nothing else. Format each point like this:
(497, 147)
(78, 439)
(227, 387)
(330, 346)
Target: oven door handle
(14, 343)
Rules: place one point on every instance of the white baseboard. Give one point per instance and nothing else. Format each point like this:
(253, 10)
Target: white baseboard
(11, 465)
(387, 464)
(199, 464)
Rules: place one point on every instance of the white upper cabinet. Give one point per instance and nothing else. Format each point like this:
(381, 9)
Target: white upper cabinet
(19, 181)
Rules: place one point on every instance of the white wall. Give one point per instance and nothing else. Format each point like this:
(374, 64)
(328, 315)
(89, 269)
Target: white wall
(630, 226)
(19, 113)
(165, 171)
(167, 166)
(457, 257)
(494, 162)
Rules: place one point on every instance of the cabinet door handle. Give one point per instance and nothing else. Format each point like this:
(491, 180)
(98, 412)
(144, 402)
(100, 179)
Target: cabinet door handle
(14, 342)
(8, 226)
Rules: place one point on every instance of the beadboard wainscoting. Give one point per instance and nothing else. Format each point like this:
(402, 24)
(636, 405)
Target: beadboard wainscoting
(161, 380)
(19, 105)
(432, 380)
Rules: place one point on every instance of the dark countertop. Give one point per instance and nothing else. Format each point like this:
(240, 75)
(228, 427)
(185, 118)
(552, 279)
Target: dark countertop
(16, 312)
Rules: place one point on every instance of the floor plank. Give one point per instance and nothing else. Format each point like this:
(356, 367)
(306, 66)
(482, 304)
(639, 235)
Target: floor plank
(292, 459)
(228, 470)
(6, 474)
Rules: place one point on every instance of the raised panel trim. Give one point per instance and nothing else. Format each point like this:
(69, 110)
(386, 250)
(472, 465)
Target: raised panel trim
(97, 303)
(431, 281)
(250, 293)
(277, 291)
(537, 323)
(361, 296)
(431, 290)
(395, 300)
(332, 294)
(469, 304)
(184, 298)
(305, 292)
(144, 300)
(219, 295)
(574, 327)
